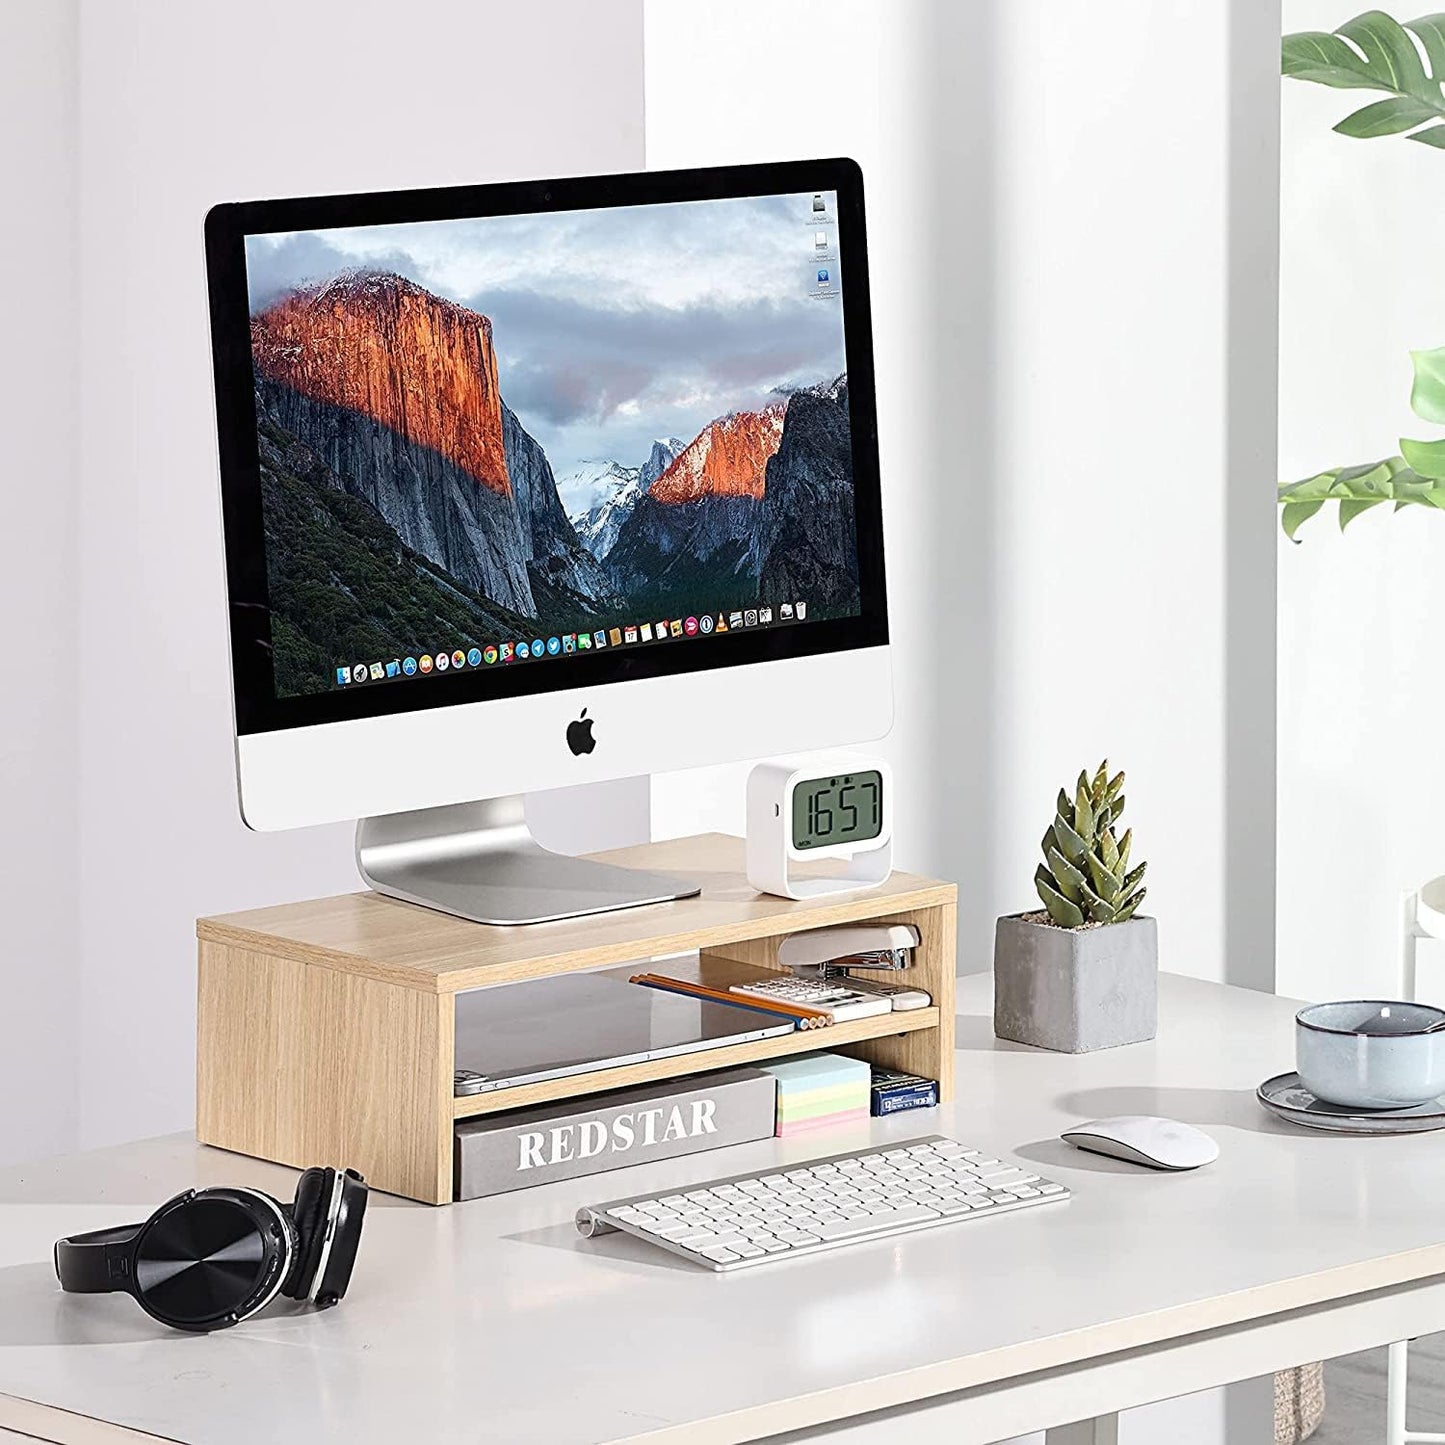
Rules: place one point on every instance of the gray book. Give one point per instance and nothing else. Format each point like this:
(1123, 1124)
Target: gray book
(522, 1147)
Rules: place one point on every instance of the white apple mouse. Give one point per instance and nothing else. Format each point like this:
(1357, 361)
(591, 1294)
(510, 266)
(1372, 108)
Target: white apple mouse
(1143, 1139)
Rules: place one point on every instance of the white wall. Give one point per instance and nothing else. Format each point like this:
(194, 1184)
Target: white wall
(1361, 689)
(1065, 271)
(38, 1064)
(118, 836)
(1049, 211)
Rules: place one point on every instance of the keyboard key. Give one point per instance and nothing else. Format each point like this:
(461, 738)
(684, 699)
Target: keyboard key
(749, 1251)
(797, 1236)
(699, 1238)
(1005, 1178)
(719, 1256)
(1051, 1188)
(844, 1228)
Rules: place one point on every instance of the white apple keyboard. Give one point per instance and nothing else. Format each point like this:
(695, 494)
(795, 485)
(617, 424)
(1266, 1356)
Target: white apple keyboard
(844, 1199)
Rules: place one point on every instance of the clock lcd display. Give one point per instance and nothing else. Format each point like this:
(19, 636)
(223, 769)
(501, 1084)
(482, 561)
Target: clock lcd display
(831, 811)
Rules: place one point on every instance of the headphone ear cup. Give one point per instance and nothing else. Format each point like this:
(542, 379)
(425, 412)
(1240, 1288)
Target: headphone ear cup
(308, 1213)
(339, 1261)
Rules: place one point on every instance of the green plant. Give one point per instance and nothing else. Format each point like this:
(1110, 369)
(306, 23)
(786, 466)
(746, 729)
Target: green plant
(1415, 478)
(1087, 878)
(1375, 52)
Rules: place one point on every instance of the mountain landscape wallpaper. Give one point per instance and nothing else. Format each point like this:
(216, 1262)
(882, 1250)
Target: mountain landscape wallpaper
(473, 432)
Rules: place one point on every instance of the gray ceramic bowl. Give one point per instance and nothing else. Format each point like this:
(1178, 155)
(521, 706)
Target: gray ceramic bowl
(1371, 1055)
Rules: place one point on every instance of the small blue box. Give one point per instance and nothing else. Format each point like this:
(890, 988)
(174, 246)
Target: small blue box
(892, 1093)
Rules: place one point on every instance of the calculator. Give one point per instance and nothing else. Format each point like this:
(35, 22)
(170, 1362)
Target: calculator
(831, 996)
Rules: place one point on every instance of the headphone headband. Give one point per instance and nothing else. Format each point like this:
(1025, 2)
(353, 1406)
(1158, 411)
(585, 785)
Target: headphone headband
(98, 1262)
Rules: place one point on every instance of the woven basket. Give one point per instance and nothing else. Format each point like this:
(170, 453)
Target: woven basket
(1299, 1403)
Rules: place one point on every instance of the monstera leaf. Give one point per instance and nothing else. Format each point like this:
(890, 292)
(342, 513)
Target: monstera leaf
(1417, 478)
(1427, 396)
(1375, 52)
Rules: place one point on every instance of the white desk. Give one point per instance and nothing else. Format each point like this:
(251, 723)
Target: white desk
(494, 1321)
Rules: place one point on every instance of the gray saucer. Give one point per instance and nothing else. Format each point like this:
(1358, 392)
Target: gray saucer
(1286, 1097)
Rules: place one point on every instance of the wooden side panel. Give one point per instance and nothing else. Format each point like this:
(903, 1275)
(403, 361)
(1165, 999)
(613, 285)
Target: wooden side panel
(759, 952)
(945, 933)
(307, 1065)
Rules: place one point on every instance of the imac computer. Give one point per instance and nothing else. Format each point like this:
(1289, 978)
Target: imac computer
(537, 484)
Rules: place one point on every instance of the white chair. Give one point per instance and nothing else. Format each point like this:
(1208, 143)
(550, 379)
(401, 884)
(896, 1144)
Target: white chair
(1422, 915)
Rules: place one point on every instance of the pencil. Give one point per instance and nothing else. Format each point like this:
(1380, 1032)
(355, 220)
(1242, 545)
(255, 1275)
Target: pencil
(801, 1014)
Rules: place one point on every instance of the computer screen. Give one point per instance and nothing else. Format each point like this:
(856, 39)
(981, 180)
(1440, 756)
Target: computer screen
(496, 453)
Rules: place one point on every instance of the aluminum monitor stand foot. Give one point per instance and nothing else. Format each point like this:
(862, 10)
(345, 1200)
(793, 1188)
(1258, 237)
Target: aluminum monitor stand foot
(479, 861)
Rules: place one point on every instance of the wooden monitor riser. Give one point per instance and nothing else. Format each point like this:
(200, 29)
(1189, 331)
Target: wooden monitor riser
(325, 1029)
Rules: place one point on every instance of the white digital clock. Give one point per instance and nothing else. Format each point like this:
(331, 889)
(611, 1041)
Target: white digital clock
(810, 809)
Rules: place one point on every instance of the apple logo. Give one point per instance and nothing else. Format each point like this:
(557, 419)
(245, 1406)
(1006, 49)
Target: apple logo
(579, 735)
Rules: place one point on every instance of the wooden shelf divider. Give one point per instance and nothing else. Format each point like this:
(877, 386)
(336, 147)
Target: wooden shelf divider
(325, 1029)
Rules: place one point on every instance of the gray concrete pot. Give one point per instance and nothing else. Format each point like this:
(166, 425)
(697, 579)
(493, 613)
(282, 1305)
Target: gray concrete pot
(1075, 990)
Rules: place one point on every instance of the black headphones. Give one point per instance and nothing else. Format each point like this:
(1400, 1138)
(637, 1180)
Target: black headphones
(210, 1258)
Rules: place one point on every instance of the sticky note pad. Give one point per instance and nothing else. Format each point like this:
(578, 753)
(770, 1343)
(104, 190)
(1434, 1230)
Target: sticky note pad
(820, 1089)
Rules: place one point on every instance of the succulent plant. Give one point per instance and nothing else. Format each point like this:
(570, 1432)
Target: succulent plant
(1087, 878)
